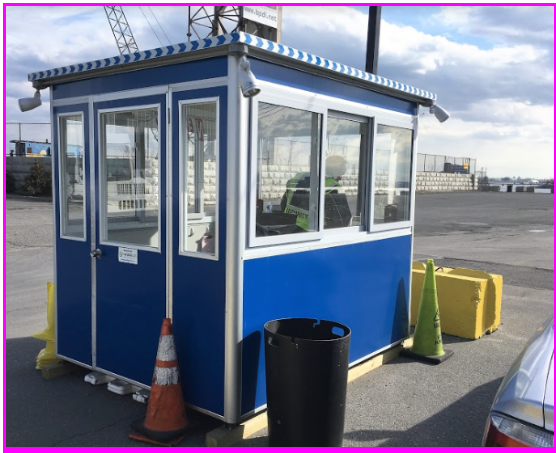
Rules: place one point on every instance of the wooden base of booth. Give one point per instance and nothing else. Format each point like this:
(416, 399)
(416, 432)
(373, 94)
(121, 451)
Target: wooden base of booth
(226, 435)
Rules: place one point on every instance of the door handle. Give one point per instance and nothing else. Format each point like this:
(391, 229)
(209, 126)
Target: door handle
(96, 253)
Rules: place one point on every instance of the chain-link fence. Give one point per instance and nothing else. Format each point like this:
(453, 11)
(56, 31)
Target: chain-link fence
(446, 164)
(36, 135)
(20, 137)
(482, 180)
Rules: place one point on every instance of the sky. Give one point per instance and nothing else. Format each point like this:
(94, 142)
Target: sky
(491, 66)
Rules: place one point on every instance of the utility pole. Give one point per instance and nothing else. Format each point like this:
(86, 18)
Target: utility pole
(373, 39)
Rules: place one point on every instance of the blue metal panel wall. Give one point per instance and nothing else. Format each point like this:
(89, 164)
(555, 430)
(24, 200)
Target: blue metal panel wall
(73, 267)
(200, 285)
(131, 80)
(364, 286)
(317, 84)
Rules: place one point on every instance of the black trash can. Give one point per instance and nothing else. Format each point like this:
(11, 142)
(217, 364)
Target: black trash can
(306, 382)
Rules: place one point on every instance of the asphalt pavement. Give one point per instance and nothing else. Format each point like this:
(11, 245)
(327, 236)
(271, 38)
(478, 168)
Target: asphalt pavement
(401, 404)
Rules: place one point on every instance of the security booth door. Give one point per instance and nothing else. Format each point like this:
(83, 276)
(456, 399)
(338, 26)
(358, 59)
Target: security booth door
(130, 252)
(70, 166)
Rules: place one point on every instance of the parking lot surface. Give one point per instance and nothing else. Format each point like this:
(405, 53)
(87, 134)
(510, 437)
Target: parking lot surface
(401, 404)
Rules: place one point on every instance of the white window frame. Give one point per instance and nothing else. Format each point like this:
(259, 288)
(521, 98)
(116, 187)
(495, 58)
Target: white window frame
(103, 233)
(61, 173)
(409, 125)
(341, 115)
(283, 99)
(184, 217)
(327, 105)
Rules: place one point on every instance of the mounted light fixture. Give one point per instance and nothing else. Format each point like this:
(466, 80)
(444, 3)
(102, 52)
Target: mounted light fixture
(247, 81)
(26, 104)
(439, 113)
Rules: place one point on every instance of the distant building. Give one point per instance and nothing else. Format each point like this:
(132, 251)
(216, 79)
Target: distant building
(30, 148)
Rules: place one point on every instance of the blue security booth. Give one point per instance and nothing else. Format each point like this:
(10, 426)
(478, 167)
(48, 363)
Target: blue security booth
(225, 183)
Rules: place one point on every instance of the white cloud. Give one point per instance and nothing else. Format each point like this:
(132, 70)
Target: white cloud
(502, 23)
(500, 96)
(498, 87)
(505, 150)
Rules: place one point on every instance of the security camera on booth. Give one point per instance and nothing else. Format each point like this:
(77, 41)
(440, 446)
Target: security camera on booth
(439, 113)
(26, 104)
(247, 80)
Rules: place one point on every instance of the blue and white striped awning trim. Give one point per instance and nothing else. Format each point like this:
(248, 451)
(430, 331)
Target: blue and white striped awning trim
(218, 41)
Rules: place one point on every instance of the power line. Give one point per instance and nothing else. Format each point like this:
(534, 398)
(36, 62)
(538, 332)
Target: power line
(141, 9)
(155, 18)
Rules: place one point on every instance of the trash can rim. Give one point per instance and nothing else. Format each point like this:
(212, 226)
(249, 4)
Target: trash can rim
(347, 330)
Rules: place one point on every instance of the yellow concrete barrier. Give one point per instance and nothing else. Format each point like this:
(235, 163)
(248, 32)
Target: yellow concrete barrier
(469, 301)
(47, 356)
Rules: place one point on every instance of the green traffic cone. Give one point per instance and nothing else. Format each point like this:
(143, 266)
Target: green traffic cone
(427, 340)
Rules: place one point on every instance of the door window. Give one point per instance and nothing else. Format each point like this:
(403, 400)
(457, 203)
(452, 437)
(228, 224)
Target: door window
(199, 177)
(72, 176)
(130, 150)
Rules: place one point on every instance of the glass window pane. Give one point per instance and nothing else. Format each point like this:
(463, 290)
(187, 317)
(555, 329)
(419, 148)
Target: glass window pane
(130, 177)
(345, 173)
(199, 131)
(72, 171)
(393, 150)
(288, 150)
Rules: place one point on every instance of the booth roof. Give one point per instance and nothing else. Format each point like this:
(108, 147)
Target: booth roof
(49, 77)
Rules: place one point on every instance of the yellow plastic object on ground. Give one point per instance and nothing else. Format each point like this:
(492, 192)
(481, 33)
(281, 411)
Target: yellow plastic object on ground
(47, 355)
(470, 301)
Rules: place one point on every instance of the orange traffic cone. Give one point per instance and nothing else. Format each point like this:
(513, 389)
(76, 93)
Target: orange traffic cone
(166, 423)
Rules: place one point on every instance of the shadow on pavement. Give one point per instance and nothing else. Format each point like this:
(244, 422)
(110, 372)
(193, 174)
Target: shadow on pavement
(67, 412)
(449, 339)
(446, 428)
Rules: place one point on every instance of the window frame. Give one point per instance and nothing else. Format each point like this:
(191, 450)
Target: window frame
(385, 121)
(282, 99)
(327, 105)
(61, 172)
(103, 184)
(183, 182)
(341, 115)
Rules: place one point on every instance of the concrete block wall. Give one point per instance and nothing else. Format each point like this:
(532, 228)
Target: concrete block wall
(275, 178)
(445, 182)
(209, 187)
(20, 167)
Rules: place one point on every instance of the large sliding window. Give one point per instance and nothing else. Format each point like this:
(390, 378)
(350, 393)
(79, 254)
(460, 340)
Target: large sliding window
(199, 177)
(327, 169)
(287, 162)
(130, 150)
(72, 176)
(392, 174)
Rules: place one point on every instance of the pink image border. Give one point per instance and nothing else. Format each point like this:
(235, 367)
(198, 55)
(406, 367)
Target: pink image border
(6, 5)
